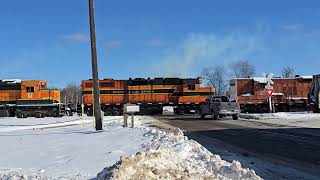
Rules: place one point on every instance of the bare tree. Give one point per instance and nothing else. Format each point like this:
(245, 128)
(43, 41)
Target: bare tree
(287, 72)
(71, 94)
(216, 77)
(242, 69)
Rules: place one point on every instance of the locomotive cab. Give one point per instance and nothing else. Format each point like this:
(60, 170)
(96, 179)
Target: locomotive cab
(38, 100)
(37, 91)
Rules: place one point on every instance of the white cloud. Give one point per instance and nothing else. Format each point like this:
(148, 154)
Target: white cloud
(313, 33)
(113, 44)
(293, 27)
(80, 37)
(198, 50)
(300, 28)
(153, 43)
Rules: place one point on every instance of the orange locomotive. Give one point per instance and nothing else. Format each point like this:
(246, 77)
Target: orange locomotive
(150, 94)
(28, 98)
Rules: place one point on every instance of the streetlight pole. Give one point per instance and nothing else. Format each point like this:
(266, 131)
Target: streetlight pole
(96, 91)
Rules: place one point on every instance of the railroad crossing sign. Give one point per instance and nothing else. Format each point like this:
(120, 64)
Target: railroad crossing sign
(268, 79)
(269, 82)
(269, 90)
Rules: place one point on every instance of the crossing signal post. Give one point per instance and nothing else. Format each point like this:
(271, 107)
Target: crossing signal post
(269, 90)
(95, 79)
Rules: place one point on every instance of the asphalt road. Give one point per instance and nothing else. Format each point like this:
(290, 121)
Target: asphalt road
(299, 147)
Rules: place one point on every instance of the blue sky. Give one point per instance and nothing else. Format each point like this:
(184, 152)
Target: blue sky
(42, 39)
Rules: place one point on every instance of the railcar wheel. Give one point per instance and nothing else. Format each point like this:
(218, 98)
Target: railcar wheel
(108, 113)
(316, 110)
(116, 113)
(39, 115)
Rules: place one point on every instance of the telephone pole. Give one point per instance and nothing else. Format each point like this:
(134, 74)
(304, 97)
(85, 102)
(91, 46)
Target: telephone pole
(96, 91)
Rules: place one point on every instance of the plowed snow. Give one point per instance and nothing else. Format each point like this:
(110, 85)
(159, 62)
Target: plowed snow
(173, 156)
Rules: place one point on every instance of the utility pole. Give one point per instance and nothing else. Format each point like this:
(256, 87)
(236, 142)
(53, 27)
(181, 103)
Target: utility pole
(96, 91)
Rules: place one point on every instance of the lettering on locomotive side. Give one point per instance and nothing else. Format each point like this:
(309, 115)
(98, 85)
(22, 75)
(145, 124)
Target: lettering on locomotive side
(118, 92)
(140, 91)
(132, 91)
(147, 91)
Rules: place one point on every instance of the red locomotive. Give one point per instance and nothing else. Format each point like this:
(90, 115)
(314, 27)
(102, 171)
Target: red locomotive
(290, 94)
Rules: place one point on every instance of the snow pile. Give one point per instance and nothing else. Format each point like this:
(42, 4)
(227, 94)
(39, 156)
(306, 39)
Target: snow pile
(153, 164)
(173, 156)
(296, 119)
(259, 116)
(297, 115)
(282, 115)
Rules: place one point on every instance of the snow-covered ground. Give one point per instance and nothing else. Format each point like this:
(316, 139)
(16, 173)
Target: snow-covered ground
(67, 151)
(14, 124)
(298, 119)
(69, 148)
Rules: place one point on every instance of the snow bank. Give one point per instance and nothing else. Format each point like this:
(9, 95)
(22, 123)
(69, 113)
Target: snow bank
(152, 164)
(259, 116)
(297, 115)
(296, 119)
(173, 156)
(282, 115)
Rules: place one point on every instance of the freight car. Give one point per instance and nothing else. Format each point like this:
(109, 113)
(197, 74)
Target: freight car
(290, 94)
(28, 98)
(151, 94)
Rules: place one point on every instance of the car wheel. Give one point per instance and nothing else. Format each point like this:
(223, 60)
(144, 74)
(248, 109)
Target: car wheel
(202, 116)
(214, 116)
(235, 117)
(19, 115)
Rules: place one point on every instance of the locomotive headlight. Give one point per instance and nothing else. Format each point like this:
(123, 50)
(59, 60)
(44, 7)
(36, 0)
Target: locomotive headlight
(201, 80)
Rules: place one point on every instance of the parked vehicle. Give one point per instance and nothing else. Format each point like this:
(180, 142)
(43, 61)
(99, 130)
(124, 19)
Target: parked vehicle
(219, 106)
(314, 94)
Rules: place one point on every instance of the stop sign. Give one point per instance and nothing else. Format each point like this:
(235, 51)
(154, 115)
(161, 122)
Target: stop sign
(269, 90)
